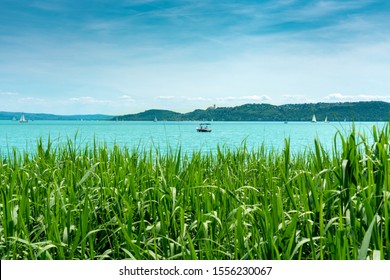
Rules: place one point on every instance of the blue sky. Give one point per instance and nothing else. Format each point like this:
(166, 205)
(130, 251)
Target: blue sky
(126, 56)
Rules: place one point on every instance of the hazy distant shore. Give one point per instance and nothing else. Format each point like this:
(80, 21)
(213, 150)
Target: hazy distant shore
(343, 111)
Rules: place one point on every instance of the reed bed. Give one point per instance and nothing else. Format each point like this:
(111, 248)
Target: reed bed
(94, 202)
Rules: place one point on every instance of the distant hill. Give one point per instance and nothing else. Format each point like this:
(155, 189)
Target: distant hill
(350, 111)
(150, 115)
(38, 116)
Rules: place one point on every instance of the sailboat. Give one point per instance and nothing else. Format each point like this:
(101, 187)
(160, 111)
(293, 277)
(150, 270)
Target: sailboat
(313, 119)
(23, 119)
(326, 119)
(155, 119)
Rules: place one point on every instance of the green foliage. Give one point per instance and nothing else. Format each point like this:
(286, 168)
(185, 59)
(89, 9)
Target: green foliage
(354, 111)
(73, 202)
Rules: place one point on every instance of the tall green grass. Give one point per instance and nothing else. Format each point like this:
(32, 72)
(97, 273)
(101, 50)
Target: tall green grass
(95, 202)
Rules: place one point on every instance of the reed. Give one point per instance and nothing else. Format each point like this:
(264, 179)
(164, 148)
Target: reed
(95, 202)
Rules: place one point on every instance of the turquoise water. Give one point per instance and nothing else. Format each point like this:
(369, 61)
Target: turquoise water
(166, 135)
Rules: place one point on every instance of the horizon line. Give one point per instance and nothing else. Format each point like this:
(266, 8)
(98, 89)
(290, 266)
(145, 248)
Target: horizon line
(209, 107)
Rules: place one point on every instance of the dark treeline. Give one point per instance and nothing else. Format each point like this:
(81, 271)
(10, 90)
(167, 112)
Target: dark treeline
(350, 111)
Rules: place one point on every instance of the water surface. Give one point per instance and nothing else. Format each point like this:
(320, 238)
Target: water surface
(166, 135)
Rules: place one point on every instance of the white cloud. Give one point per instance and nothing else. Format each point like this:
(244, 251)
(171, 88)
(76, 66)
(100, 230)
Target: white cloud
(139, 2)
(88, 100)
(325, 8)
(127, 98)
(177, 64)
(296, 98)
(8, 93)
(50, 6)
(257, 98)
(199, 98)
(359, 97)
(165, 97)
(32, 100)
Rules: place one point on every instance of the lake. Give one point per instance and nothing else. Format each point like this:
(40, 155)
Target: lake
(166, 135)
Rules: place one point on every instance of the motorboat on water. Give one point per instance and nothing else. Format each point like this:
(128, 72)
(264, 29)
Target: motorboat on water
(203, 127)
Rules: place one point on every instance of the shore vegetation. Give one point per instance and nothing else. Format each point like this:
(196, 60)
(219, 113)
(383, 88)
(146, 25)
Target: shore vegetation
(94, 202)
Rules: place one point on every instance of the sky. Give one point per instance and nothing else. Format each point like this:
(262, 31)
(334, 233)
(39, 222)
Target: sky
(127, 56)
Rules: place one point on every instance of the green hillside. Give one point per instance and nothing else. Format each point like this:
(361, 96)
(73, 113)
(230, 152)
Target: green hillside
(350, 111)
(150, 115)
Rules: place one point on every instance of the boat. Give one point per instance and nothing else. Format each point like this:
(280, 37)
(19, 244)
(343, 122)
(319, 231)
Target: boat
(23, 119)
(203, 127)
(155, 119)
(326, 119)
(313, 119)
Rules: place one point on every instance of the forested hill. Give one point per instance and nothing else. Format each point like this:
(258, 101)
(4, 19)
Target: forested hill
(350, 111)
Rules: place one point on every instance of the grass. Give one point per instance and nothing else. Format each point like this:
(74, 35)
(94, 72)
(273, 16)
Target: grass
(94, 202)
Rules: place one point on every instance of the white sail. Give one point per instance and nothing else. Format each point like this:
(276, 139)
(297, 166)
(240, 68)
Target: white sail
(326, 119)
(314, 118)
(23, 119)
